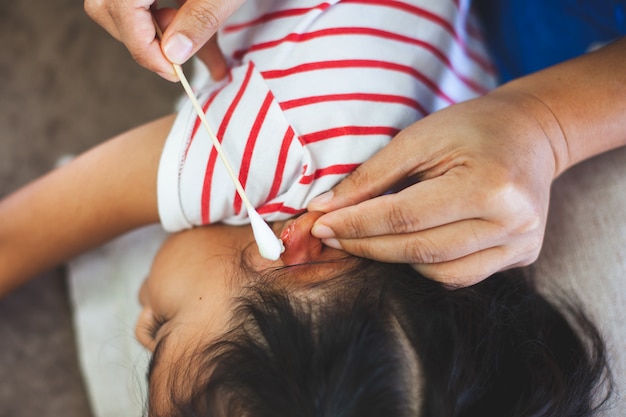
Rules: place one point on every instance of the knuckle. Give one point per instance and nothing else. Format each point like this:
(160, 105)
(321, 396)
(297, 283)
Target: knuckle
(422, 251)
(91, 7)
(139, 55)
(528, 222)
(103, 13)
(517, 209)
(505, 195)
(401, 220)
(95, 9)
(204, 16)
(357, 178)
(361, 249)
(354, 223)
(525, 262)
(530, 254)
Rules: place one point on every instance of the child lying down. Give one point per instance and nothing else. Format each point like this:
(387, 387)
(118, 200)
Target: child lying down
(313, 91)
(234, 335)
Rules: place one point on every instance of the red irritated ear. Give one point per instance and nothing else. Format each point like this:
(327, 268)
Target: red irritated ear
(300, 245)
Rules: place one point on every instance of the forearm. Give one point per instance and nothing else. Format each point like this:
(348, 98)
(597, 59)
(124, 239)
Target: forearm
(581, 103)
(98, 196)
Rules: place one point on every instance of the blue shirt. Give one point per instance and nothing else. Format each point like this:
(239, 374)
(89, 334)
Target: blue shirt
(527, 35)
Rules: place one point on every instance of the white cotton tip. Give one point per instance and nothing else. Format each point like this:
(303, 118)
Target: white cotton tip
(269, 245)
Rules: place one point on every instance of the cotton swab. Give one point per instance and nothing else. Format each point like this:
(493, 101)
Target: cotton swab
(270, 247)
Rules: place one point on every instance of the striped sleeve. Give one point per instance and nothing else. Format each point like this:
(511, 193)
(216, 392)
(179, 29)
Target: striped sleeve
(316, 88)
(261, 146)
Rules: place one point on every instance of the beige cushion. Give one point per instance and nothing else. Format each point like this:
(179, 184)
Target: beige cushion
(584, 252)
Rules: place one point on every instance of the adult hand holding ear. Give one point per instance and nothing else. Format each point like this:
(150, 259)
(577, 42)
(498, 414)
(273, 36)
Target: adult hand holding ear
(187, 30)
(481, 173)
(479, 204)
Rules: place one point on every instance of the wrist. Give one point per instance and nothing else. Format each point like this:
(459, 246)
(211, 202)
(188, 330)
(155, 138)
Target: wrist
(542, 119)
(579, 103)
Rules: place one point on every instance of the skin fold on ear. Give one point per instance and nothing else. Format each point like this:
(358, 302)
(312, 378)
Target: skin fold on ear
(300, 245)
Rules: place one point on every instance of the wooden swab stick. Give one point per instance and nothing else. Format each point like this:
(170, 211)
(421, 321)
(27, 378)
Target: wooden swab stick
(269, 245)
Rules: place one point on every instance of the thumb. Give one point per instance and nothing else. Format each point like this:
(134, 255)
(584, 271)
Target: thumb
(194, 24)
(383, 172)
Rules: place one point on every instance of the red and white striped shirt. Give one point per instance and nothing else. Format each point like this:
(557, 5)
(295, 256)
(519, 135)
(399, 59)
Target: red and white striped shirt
(315, 89)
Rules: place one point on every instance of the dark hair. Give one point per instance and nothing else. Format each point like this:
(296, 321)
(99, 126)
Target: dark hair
(494, 349)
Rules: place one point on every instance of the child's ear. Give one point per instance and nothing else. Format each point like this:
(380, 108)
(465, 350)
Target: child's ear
(300, 245)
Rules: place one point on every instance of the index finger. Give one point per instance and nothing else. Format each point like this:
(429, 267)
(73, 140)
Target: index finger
(421, 206)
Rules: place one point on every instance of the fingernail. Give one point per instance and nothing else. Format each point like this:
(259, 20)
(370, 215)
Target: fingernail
(333, 243)
(321, 231)
(178, 48)
(323, 199)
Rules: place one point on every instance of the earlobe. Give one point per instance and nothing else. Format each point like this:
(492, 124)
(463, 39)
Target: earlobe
(300, 245)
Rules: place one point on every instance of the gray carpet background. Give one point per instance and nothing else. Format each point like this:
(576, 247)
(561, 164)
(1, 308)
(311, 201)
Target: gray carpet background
(65, 85)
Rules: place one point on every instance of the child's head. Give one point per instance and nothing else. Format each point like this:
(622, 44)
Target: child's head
(341, 336)
(198, 274)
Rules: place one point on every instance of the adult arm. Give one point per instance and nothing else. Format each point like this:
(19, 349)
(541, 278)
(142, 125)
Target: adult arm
(187, 31)
(483, 169)
(101, 194)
